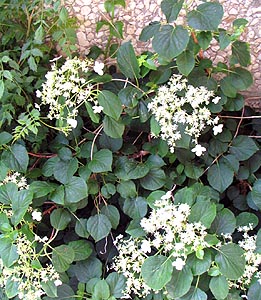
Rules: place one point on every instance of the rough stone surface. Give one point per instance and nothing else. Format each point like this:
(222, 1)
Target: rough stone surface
(139, 13)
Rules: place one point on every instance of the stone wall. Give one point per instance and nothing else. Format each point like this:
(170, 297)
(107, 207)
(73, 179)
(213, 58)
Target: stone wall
(139, 13)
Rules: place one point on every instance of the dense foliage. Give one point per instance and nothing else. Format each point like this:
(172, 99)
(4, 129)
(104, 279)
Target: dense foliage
(139, 180)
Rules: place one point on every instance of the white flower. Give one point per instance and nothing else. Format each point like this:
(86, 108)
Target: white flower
(145, 247)
(58, 282)
(178, 263)
(198, 149)
(38, 94)
(97, 109)
(72, 122)
(98, 68)
(217, 129)
(37, 106)
(37, 215)
(216, 100)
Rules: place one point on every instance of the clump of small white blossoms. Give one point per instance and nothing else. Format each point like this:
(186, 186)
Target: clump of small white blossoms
(28, 278)
(179, 105)
(253, 259)
(17, 179)
(168, 232)
(66, 89)
(129, 262)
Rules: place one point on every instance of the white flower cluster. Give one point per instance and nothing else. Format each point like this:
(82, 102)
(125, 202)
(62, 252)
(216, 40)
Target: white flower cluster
(17, 179)
(178, 105)
(253, 259)
(28, 277)
(66, 89)
(169, 233)
(129, 261)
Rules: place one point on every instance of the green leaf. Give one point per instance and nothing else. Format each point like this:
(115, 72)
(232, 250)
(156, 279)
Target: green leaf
(113, 215)
(127, 61)
(32, 64)
(48, 166)
(63, 15)
(220, 176)
(154, 180)
(64, 291)
(81, 228)
(169, 42)
(60, 218)
(254, 291)
(82, 249)
(149, 31)
(101, 161)
(219, 287)
(57, 196)
(39, 34)
(127, 189)
(241, 52)
(64, 169)
(185, 62)
(224, 39)
(110, 143)
(256, 193)
(2, 88)
(108, 190)
(204, 38)
(203, 212)
(94, 117)
(200, 266)
(16, 158)
(11, 288)
(134, 229)
(62, 257)
(206, 17)
(235, 104)
(111, 104)
(20, 205)
(243, 147)
(246, 218)
(195, 294)
(156, 271)
(225, 222)
(99, 226)
(180, 282)
(75, 190)
(193, 171)
(231, 261)
(5, 138)
(127, 169)
(227, 87)
(116, 283)
(171, 9)
(154, 126)
(112, 127)
(136, 208)
(4, 223)
(101, 290)
(241, 79)
(8, 252)
(49, 288)
(8, 192)
(117, 29)
(41, 188)
(87, 269)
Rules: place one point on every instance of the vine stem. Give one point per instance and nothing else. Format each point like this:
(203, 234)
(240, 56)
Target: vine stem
(234, 117)
(99, 129)
(240, 122)
(42, 155)
(127, 81)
